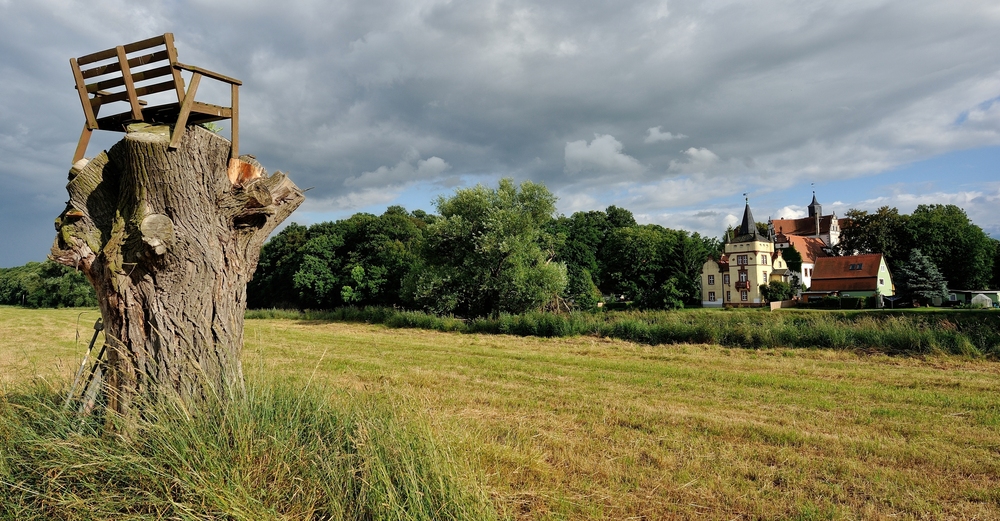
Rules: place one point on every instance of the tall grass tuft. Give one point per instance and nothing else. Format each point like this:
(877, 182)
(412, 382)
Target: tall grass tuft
(967, 332)
(277, 453)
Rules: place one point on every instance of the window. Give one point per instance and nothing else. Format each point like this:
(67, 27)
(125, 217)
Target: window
(881, 282)
(711, 296)
(854, 267)
(763, 259)
(711, 280)
(952, 297)
(765, 275)
(741, 259)
(743, 296)
(743, 276)
(729, 297)
(725, 278)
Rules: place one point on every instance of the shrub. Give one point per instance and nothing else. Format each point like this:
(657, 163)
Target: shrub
(969, 333)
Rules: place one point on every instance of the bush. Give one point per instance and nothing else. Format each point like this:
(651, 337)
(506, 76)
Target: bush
(968, 333)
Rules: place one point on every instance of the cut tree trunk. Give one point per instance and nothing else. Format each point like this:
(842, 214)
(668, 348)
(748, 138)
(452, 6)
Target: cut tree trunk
(169, 239)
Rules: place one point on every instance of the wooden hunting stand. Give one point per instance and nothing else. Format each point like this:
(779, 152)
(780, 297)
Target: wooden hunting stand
(167, 225)
(128, 72)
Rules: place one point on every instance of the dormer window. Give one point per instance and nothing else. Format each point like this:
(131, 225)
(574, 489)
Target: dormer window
(854, 267)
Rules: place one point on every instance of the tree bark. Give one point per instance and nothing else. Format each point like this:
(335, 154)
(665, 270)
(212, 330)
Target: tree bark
(169, 239)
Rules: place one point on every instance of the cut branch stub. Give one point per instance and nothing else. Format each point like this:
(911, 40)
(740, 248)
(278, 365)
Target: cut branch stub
(157, 232)
(169, 243)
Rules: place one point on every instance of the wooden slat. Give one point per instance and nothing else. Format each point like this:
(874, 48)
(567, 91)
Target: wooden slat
(136, 77)
(81, 88)
(172, 56)
(111, 53)
(214, 110)
(81, 146)
(208, 73)
(182, 117)
(235, 114)
(133, 98)
(139, 91)
(132, 62)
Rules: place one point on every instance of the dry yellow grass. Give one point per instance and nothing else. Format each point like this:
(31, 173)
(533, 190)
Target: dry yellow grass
(585, 428)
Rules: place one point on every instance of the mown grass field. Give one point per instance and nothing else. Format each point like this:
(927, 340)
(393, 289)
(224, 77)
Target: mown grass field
(580, 428)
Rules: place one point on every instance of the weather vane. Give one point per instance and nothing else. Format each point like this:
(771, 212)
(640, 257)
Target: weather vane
(746, 198)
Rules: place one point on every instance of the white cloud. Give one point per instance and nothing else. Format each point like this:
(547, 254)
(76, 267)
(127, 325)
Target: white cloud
(654, 135)
(790, 212)
(410, 169)
(603, 155)
(349, 202)
(703, 160)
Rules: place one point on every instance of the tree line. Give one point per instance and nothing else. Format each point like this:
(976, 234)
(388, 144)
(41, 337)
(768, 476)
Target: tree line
(45, 285)
(501, 250)
(485, 251)
(935, 248)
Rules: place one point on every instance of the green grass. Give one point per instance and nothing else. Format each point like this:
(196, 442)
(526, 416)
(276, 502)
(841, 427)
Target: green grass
(588, 427)
(282, 451)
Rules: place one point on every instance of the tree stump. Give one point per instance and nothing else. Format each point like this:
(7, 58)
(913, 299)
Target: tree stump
(169, 239)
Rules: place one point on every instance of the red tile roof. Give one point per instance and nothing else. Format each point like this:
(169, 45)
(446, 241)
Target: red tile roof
(803, 226)
(811, 248)
(835, 273)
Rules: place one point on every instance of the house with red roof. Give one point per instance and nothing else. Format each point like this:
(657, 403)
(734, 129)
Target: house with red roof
(851, 276)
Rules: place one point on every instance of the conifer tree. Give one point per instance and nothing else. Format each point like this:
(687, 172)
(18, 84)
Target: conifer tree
(920, 278)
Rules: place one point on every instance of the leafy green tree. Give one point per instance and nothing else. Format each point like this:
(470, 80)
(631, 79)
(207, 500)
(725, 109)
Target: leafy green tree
(655, 267)
(792, 258)
(962, 252)
(776, 290)
(885, 232)
(273, 284)
(619, 217)
(319, 278)
(763, 228)
(361, 260)
(582, 290)
(920, 279)
(483, 256)
(577, 241)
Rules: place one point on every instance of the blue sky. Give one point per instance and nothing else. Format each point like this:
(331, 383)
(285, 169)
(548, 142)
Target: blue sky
(670, 108)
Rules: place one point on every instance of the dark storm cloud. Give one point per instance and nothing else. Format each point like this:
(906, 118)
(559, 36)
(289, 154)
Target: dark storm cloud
(364, 98)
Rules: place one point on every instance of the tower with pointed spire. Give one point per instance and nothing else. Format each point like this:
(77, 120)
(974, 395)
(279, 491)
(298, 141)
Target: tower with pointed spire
(749, 261)
(815, 209)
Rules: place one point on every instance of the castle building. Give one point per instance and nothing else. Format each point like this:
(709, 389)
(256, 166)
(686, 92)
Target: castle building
(813, 236)
(823, 227)
(749, 261)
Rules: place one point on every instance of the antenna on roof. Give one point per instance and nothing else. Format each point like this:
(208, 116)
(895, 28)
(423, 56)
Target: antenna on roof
(746, 198)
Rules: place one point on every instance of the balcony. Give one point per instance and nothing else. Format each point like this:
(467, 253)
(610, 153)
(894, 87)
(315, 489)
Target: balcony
(742, 284)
